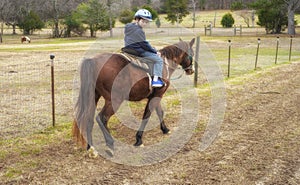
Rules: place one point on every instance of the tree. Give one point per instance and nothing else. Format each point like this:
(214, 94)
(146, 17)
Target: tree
(237, 5)
(94, 14)
(202, 4)
(30, 23)
(247, 15)
(54, 11)
(227, 20)
(73, 25)
(10, 12)
(292, 6)
(126, 16)
(271, 15)
(176, 10)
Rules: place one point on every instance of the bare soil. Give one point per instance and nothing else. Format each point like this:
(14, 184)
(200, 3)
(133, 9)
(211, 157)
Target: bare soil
(259, 143)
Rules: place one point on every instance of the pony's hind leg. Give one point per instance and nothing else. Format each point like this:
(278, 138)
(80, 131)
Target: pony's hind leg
(90, 148)
(102, 120)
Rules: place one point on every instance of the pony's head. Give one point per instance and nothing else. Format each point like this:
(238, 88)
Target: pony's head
(181, 53)
(188, 54)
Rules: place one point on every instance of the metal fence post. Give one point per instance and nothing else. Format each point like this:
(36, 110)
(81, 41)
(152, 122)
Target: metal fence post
(291, 43)
(229, 53)
(196, 61)
(52, 56)
(277, 50)
(258, 43)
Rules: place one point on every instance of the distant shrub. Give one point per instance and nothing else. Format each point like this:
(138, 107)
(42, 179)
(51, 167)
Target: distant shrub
(227, 20)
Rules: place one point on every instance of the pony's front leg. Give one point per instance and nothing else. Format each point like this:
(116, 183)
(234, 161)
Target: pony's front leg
(160, 114)
(140, 132)
(151, 104)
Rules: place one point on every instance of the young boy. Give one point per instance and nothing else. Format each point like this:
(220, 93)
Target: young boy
(135, 39)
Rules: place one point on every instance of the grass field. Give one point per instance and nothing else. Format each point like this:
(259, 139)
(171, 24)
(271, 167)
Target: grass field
(25, 127)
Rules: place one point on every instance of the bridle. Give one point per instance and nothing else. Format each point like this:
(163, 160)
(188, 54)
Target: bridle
(189, 57)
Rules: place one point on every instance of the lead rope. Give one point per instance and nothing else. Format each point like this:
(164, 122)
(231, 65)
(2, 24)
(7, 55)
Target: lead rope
(178, 77)
(167, 67)
(168, 72)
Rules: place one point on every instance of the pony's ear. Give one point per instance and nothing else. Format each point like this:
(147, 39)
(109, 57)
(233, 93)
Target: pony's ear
(192, 42)
(180, 39)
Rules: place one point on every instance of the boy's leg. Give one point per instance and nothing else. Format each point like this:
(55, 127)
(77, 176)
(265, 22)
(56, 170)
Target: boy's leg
(157, 68)
(158, 63)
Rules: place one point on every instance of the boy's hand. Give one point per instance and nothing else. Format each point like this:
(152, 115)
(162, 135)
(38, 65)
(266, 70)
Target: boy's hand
(159, 54)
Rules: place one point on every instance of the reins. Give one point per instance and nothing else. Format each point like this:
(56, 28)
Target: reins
(178, 77)
(174, 68)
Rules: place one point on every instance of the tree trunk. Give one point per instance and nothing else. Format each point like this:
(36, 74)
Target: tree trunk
(56, 30)
(291, 23)
(92, 30)
(14, 29)
(194, 13)
(292, 7)
(56, 16)
(110, 18)
(1, 33)
(110, 27)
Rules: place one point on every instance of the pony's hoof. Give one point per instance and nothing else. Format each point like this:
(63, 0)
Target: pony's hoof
(139, 145)
(167, 131)
(92, 153)
(109, 152)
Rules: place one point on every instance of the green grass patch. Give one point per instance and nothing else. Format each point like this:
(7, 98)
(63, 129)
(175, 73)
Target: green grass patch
(31, 145)
(12, 173)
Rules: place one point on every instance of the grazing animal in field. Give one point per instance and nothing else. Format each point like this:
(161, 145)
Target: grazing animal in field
(113, 77)
(25, 39)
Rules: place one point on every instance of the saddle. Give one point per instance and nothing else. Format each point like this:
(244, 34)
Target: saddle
(137, 61)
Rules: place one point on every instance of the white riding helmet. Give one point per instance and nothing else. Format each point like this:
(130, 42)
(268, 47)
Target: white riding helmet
(144, 14)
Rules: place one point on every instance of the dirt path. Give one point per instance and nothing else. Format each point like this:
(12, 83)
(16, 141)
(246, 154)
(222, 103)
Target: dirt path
(259, 143)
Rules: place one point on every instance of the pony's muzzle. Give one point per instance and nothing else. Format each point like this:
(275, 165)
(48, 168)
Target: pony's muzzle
(189, 72)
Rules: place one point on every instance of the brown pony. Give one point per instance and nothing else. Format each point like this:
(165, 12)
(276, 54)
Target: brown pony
(114, 78)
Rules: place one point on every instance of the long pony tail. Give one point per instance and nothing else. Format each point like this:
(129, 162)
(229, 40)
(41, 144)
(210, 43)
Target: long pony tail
(85, 105)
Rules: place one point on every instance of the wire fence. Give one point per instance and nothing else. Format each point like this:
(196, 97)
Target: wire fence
(25, 78)
(26, 95)
(162, 31)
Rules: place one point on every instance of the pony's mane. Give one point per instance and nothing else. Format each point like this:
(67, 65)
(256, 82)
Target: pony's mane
(175, 50)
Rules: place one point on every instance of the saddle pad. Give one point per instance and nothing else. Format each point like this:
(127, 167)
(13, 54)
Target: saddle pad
(140, 62)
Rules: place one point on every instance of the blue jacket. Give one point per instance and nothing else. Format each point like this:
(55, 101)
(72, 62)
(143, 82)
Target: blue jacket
(135, 39)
